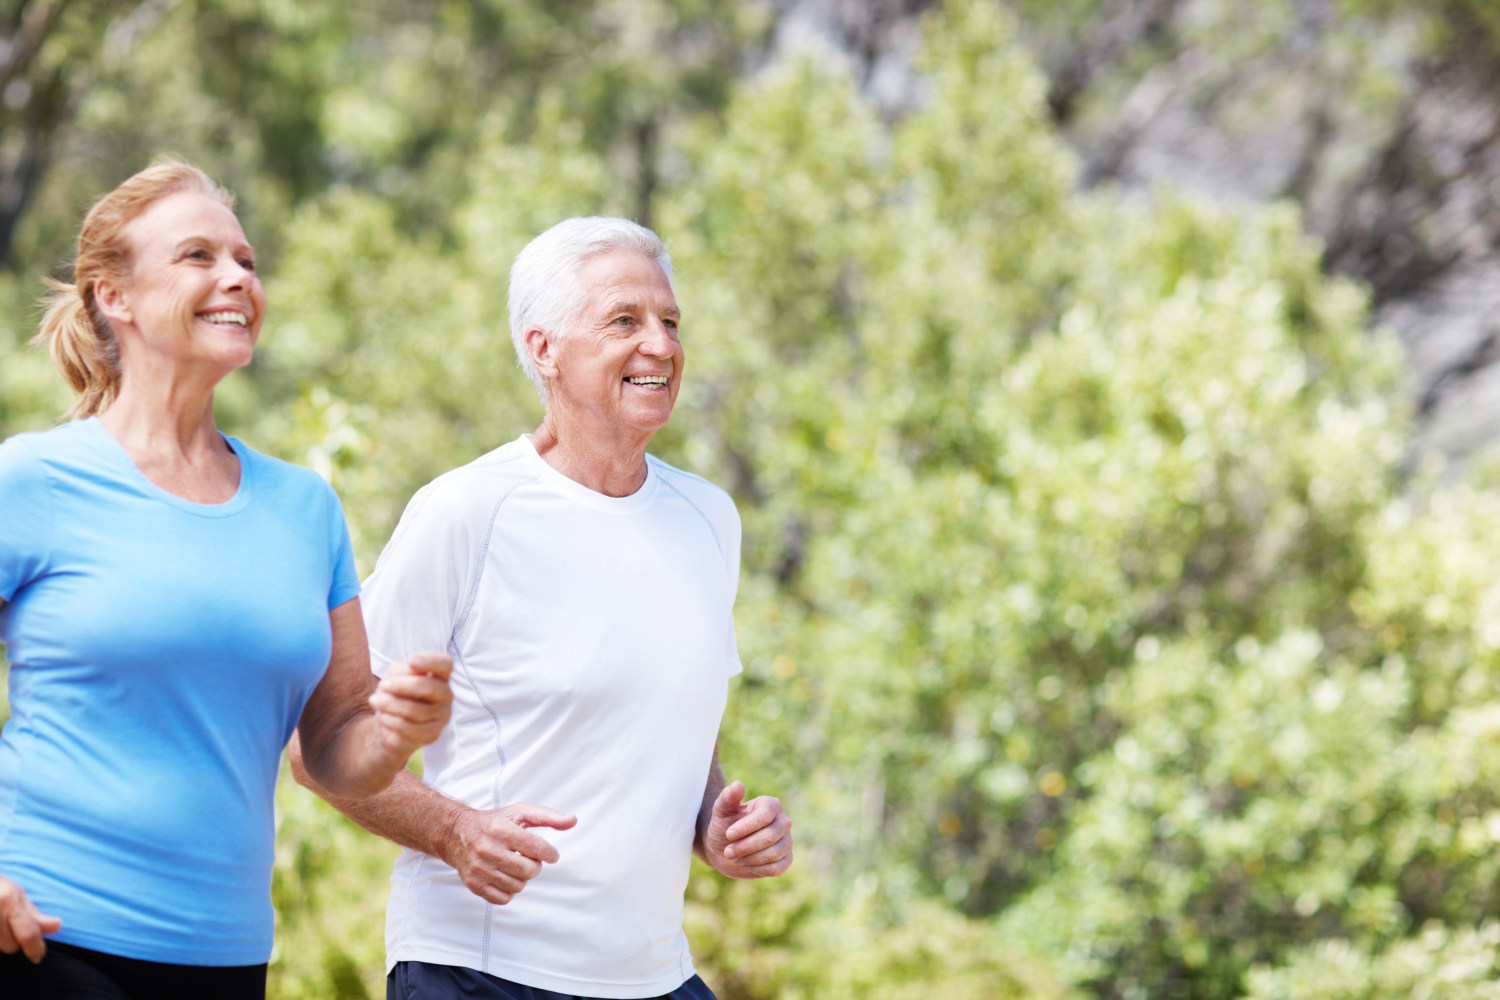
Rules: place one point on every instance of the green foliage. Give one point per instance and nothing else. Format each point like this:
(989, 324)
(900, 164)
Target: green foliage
(1094, 631)
(328, 887)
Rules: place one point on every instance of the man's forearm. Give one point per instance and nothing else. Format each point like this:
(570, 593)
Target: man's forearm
(711, 790)
(409, 812)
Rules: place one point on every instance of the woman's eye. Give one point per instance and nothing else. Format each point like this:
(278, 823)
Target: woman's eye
(199, 254)
(247, 263)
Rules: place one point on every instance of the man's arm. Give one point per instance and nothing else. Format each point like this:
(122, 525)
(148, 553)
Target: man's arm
(493, 850)
(741, 839)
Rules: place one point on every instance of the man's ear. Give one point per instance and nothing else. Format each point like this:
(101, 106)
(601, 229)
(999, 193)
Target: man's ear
(109, 299)
(542, 351)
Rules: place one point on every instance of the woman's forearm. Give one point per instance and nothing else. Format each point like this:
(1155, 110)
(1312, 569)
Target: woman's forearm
(352, 761)
(357, 732)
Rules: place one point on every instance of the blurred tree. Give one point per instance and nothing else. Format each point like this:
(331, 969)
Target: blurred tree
(47, 58)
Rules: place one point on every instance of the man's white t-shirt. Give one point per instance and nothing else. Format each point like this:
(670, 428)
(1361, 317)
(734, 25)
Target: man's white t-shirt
(593, 642)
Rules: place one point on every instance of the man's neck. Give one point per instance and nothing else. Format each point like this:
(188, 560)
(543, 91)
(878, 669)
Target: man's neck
(611, 464)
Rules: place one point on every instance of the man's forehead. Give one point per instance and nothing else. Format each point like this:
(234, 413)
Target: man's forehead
(629, 281)
(630, 303)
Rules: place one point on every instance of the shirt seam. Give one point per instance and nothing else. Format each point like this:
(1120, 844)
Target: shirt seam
(482, 556)
(51, 545)
(711, 529)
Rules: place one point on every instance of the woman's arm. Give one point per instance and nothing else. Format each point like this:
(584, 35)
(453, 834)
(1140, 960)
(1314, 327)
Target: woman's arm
(357, 732)
(21, 924)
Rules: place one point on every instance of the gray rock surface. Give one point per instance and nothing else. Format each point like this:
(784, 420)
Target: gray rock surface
(1384, 127)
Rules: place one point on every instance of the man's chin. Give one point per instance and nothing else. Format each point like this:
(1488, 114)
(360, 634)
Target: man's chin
(648, 420)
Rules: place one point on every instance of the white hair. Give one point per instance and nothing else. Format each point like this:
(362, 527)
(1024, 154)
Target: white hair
(544, 290)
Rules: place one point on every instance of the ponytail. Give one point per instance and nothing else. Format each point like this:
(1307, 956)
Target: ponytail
(82, 346)
(80, 340)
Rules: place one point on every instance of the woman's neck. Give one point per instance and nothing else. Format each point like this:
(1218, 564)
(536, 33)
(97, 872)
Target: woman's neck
(168, 431)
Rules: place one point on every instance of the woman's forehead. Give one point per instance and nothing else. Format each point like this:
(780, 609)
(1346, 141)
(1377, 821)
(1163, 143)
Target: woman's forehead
(182, 217)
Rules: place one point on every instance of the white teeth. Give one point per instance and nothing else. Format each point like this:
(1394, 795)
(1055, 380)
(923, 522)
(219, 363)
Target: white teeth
(226, 317)
(647, 379)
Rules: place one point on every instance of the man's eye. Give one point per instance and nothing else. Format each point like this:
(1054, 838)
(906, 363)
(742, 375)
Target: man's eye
(199, 254)
(247, 263)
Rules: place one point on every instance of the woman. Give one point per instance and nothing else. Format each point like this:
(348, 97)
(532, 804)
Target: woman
(173, 604)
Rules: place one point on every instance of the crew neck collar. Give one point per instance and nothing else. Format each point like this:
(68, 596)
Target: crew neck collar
(121, 458)
(577, 491)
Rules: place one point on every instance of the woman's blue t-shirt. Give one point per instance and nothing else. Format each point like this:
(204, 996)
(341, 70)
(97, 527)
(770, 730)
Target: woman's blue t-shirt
(161, 653)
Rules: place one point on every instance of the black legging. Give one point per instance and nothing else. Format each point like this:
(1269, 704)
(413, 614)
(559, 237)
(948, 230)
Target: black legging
(72, 973)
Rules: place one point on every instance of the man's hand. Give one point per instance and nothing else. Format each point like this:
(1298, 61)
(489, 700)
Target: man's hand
(748, 839)
(494, 851)
(412, 703)
(21, 926)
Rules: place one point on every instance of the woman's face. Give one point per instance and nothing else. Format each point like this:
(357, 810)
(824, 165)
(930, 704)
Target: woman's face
(193, 298)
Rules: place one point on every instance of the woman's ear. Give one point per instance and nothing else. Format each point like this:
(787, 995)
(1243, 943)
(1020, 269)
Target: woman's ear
(111, 302)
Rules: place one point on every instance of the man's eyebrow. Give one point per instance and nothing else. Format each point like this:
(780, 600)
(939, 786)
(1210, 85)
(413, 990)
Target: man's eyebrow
(629, 305)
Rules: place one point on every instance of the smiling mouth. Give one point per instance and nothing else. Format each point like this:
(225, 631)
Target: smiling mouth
(231, 318)
(652, 380)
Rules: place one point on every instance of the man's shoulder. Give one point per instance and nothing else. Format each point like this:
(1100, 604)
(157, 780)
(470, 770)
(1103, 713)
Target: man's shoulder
(473, 489)
(712, 500)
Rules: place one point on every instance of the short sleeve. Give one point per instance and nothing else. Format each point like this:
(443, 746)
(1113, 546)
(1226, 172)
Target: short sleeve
(734, 651)
(732, 532)
(345, 584)
(412, 601)
(26, 518)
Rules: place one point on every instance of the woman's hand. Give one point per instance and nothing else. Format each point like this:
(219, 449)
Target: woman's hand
(21, 925)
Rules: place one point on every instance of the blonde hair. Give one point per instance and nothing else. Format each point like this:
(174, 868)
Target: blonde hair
(80, 340)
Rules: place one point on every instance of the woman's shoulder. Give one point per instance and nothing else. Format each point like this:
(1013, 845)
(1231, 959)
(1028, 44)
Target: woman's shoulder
(19, 463)
(277, 477)
(30, 464)
(40, 448)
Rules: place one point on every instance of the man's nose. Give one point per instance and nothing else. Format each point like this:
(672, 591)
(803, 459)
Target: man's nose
(658, 342)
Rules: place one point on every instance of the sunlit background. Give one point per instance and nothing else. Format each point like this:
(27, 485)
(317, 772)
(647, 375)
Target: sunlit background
(1107, 387)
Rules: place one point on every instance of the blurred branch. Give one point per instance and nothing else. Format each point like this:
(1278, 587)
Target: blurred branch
(35, 23)
(37, 96)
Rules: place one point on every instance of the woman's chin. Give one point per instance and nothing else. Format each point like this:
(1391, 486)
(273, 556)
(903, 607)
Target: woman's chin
(231, 357)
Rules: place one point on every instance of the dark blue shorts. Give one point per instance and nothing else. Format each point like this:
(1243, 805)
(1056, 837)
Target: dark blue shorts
(69, 972)
(425, 981)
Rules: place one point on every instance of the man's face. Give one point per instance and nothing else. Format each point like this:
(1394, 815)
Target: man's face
(621, 364)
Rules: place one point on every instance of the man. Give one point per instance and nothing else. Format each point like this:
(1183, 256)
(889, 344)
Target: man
(584, 590)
